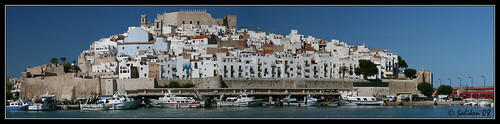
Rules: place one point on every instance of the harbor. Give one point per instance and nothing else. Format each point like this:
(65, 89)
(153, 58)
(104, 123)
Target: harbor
(272, 112)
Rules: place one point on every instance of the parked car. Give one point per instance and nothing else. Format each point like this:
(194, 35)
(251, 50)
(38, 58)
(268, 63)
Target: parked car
(457, 99)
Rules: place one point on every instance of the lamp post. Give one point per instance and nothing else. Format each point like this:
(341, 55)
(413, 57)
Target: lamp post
(439, 82)
(484, 81)
(450, 81)
(472, 80)
(460, 81)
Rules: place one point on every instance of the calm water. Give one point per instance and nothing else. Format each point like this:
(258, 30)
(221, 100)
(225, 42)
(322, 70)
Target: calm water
(272, 112)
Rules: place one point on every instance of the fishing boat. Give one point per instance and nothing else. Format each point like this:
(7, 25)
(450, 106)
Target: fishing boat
(169, 100)
(241, 100)
(154, 103)
(92, 103)
(361, 101)
(309, 101)
(44, 103)
(331, 102)
(119, 101)
(99, 106)
(18, 105)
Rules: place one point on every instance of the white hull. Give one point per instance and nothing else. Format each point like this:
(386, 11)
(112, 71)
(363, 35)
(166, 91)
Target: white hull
(124, 105)
(347, 102)
(239, 104)
(361, 101)
(94, 107)
(40, 107)
(301, 104)
(180, 105)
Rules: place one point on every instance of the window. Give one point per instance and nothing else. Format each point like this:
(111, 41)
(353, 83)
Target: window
(198, 22)
(190, 22)
(137, 47)
(183, 22)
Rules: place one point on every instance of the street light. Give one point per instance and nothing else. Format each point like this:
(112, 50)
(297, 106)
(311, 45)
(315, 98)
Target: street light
(484, 81)
(439, 82)
(460, 81)
(472, 80)
(450, 81)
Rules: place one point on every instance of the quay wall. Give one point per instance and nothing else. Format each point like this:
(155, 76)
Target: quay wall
(208, 82)
(69, 86)
(290, 83)
(400, 86)
(34, 87)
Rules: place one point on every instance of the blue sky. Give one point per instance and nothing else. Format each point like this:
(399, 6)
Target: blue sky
(450, 41)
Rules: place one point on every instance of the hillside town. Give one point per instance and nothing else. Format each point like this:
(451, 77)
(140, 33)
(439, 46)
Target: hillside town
(191, 47)
(191, 44)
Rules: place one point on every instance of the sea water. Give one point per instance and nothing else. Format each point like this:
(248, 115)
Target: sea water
(322, 112)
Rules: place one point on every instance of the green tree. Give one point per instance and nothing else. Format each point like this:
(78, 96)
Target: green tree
(402, 63)
(63, 60)
(444, 90)
(366, 68)
(187, 85)
(174, 84)
(410, 73)
(343, 69)
(75, 67)
(54, 60)
(425, 88)
(67, 67)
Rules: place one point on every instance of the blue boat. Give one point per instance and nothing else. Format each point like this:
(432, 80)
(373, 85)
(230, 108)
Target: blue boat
(18, 105)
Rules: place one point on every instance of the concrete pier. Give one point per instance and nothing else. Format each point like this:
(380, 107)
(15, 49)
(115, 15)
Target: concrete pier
(215, 92)
(418, 103)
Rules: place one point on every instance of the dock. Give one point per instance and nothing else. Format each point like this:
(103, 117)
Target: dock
(418, 103)
(66, 107)
(215, 92)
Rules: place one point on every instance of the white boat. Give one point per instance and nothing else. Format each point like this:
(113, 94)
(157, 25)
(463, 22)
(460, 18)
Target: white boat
(17, 105)
(90, 104)
(471, 104)
(309, 101)
(154, 103)
(172, 101)
(241, 100)
(120, 101)
(359, 100)
(99, 106)
(44, 103)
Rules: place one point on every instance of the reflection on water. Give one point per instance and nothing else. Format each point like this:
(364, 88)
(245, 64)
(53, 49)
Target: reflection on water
(272, 112)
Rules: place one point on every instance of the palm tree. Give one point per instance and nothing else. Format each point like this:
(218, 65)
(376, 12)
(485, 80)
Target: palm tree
(63, 60)
(343, 70)
(54, 60)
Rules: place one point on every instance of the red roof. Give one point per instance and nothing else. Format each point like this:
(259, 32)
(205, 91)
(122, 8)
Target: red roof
(201, 37)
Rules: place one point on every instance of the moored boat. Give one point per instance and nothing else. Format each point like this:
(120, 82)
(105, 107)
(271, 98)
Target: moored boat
(309, 101)
(98, 106)
(119, 101)
(18, 105)
(241, 100)
(169, 100)
(361, 101)
(44, 103)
